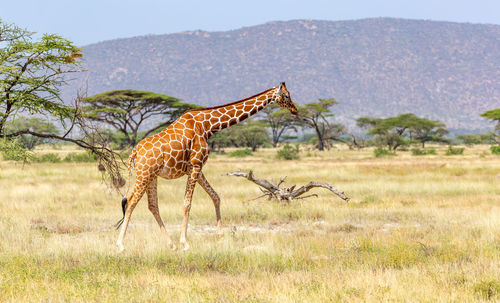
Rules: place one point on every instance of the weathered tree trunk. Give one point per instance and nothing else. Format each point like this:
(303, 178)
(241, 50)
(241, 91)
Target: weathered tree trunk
(321, 143)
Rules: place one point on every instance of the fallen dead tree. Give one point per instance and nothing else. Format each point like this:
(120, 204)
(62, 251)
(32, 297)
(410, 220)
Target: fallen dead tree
(286, 194)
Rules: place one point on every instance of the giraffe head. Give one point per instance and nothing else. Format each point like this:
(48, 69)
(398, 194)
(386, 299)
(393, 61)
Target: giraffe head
(282, 98)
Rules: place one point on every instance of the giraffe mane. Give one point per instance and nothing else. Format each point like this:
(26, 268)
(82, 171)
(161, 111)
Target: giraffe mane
(232, 103)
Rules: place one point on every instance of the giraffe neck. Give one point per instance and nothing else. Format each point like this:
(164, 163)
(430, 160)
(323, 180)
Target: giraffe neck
(230, 114)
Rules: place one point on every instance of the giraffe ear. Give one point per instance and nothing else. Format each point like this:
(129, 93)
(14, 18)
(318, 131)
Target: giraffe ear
(282, 86)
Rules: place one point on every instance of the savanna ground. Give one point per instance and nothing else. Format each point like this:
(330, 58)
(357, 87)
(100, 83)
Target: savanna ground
(418, 229)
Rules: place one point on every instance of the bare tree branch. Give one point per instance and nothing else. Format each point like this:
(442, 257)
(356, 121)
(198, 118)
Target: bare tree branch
(261, 182)
(286, 194)
(313, 184)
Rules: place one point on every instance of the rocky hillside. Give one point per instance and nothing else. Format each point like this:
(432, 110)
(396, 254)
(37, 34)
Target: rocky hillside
(375, 67)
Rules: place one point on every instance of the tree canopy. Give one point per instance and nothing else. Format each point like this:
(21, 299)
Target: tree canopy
(494, 115)
(424, 130)
(481, 138)
(127, 110)
(278, 120)
(315, 115)
(250, 133)
(31, 75)
(402, 129)
(37, 125)
(32, 72)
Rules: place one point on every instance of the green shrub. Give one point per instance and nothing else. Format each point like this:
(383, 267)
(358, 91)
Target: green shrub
(381, 152)
(50, 158)
(288, 152)
(431, 151)
(423, 152)
(495, 150)
(80, 157)
(240, 153)
(454, 151)
(13, 150)
(417, 152)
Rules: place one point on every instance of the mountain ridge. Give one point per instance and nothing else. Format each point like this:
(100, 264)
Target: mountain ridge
(374, 67)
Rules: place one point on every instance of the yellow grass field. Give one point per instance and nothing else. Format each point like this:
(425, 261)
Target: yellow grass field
(418, 229)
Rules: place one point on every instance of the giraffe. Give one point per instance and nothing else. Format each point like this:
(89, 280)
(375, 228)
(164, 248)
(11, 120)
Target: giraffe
(182, 149)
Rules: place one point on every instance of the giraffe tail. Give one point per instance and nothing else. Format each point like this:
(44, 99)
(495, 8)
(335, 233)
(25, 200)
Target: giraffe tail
(124, 206)
(131, 159)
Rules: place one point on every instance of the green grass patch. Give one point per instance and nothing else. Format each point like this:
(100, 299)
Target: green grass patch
(80, 157)
(48, 158)
(382, 152)
(495, 150)
(423, 152)
(452, 151)
(288, 152)
(240, 153)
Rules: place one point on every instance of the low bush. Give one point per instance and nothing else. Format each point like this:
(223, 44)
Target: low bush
(423, 152)
(14, 151)
(288, 152)
(382, 152)
(240, 153)
(80, 157)
(451, 151)
(495, 150)
(49, 157)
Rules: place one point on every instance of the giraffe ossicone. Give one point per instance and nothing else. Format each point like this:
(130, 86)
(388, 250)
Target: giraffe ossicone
(182, 149)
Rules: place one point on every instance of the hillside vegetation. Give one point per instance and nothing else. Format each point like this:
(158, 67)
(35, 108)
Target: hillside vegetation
(374, 67)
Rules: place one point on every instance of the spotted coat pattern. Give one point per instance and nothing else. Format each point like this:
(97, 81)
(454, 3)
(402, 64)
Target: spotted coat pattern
(182, 149)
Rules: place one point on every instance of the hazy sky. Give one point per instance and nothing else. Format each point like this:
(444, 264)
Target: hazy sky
(89, 21)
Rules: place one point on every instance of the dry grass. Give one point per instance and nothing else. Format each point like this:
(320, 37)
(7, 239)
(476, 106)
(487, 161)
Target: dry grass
(418, 229)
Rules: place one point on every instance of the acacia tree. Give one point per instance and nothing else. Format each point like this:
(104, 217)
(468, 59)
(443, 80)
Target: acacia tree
(494, 115)
(278, 120)
(314, 115)
(481, 138)
(31, 75)
(425, 130)
(386, 131)
(250, 133)
(402, 129)
(127, 110)
(37, 125)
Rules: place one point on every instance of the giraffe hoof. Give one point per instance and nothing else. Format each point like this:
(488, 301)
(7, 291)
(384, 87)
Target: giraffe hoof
(120, 248)
(186, 247)
(172, 246)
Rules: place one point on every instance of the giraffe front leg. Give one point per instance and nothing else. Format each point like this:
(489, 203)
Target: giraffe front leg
(188, 197)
